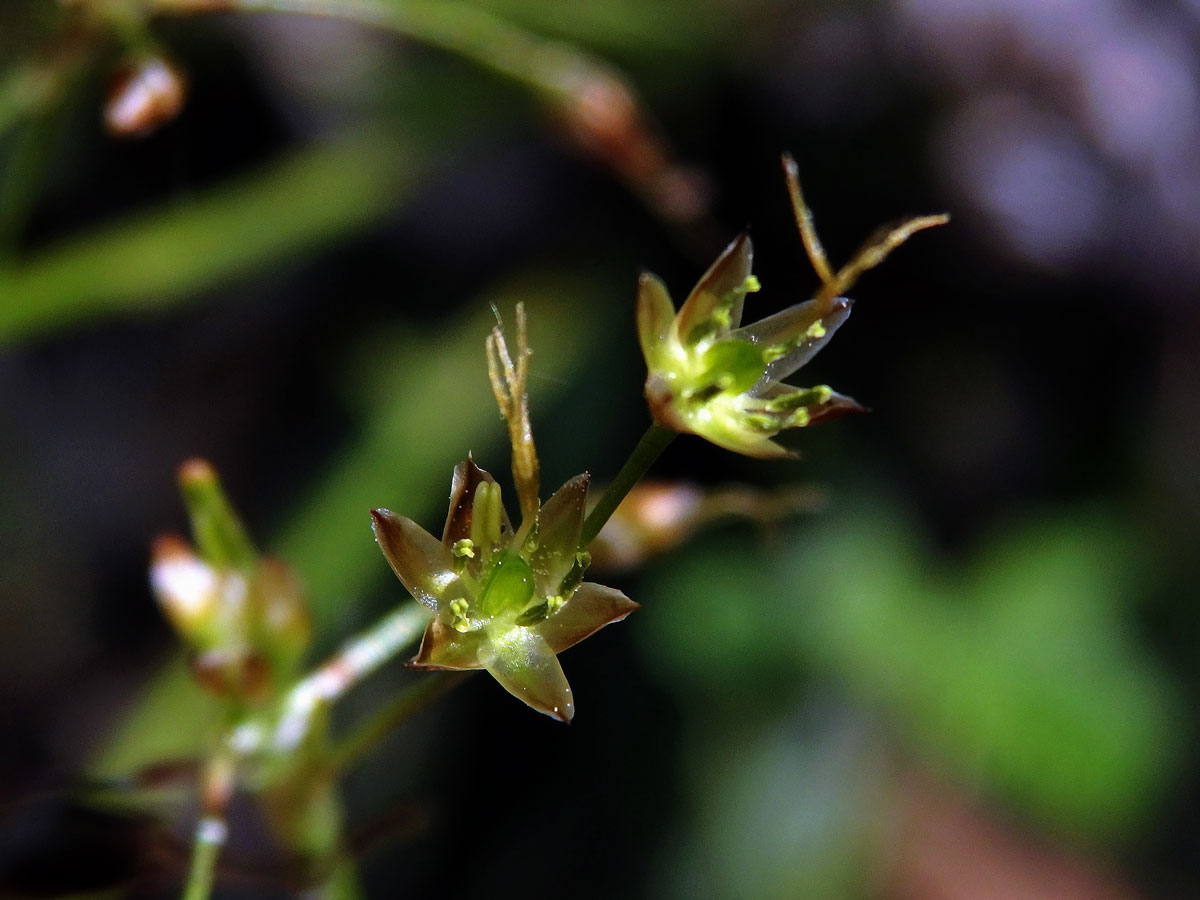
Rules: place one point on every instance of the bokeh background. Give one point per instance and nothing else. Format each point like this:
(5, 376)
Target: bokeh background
(969, 673)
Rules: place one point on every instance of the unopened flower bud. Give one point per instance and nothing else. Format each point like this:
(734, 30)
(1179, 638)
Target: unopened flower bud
(187, 588)
(242, 617)
(145, 95)
(656, 517)
(220, 537)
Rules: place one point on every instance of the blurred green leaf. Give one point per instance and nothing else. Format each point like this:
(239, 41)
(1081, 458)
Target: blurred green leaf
(710, 621)
(167, 255)
(781, 809)
(171, 721)
(15, 97)
(1020, 670)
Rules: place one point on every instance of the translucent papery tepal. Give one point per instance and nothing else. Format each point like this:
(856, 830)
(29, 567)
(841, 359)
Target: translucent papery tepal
(793, 336)
(560, 522)
(808, 406)
(655, 320)
(715, 303)
(467, 478)
(442, 647)
(527, 668)
(421, 562)
(590, 608)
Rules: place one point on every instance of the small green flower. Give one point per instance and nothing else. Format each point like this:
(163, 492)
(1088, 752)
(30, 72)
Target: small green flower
(503, 600)
(709, 375)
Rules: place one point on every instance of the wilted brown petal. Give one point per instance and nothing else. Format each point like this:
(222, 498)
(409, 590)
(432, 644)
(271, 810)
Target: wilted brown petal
(590, 608)
(726, 275)
(467, 477)
(559, 524)
(419, 560)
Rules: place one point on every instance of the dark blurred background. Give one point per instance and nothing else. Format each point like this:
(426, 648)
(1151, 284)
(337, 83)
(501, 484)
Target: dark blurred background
(970, 675)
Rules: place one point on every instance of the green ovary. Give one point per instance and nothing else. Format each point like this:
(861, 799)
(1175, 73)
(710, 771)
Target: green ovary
(735, 366)
(509, 586)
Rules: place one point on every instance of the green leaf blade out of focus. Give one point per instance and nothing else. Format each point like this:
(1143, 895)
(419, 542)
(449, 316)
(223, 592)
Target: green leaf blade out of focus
(1019, 671)
(164, 256)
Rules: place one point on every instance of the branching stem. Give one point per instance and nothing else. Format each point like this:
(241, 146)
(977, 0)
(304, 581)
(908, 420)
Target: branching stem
(551, 68)
(649, 448)
(358, 659)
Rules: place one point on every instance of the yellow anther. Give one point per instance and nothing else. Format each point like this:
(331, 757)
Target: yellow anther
(816, 331)
(459, 621)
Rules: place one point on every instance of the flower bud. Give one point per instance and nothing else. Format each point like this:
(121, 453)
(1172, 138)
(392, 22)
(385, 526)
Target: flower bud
(657, 516)
(144, 96)
(243, 618)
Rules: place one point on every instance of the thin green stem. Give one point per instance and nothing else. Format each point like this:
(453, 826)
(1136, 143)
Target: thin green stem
(216, 787)
(359, 658)
(595, 104)
(649, 448)
(205, 850)
(367, 735)
(550, 67)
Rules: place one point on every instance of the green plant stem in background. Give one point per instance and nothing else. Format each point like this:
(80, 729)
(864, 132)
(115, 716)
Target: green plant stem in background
(205, 850)
(649, 448)
(217, 780)
(551, 68)
(364, 654)
(30, 95)
(285, 734)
